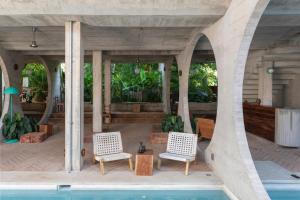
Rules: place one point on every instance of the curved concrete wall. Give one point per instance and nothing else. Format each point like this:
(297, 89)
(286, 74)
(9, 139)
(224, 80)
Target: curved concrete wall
(11, 78)
(228, 152)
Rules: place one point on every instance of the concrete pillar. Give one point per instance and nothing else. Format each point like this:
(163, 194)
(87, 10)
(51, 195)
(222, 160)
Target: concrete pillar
(165, 69)
(265, 84)
(97, 91)
(74, 124)
(107, 85)
(184, 62)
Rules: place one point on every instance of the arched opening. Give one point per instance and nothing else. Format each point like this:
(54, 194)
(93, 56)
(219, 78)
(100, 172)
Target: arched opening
(4, 82)
(271, 99)
(34, 94)
(202, 92)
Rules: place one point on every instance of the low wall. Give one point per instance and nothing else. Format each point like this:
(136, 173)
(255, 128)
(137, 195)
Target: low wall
(127, 107)
(203, 108)
(33, 106)
(145, 107)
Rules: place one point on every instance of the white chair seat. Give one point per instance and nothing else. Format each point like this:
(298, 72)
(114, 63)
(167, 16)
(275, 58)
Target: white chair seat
(113, 157)
(176, 157)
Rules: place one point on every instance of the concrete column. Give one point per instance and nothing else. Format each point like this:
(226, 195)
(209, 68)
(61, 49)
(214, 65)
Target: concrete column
(74, 124)
(107, 85)
(165, 69)
(184, 62)
(265, 84)
(97, 91)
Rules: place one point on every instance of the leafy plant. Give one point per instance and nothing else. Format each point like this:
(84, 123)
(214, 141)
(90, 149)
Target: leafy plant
(18, 126)
(172, 123)
(37, 77)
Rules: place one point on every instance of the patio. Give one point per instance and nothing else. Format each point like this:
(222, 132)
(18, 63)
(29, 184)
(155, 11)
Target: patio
(48, 156)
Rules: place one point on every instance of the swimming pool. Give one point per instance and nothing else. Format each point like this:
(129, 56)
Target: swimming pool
(115, 195)
(133, 195)
(284, 194)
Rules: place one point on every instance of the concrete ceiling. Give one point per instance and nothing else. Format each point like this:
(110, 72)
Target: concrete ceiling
(141, 25)
(112, 13)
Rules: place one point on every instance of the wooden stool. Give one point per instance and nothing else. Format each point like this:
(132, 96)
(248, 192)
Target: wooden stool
(144, 163)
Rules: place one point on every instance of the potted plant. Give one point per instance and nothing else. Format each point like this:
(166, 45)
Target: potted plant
(170, 123)
(15, 127)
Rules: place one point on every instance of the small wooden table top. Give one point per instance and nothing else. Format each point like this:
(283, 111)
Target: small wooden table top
(144, 163)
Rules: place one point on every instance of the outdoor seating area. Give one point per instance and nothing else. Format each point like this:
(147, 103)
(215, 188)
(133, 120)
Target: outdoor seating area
(139, 92)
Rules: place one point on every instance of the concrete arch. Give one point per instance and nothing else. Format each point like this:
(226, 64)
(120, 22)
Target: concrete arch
(5, 108)
(10, 64)
(49, 101)
(184, 61)
(184, 64)
(230, 38)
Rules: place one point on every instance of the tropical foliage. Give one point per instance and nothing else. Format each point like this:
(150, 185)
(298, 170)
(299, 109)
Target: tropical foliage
(172, 123)
(133, 83)
(143, 83)
(37, 77)
(203, 77)
(88, 82)
(17, 126)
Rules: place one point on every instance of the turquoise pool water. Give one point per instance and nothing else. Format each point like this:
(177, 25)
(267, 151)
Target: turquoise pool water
(135, 195)
(115, 195)
(284, 194)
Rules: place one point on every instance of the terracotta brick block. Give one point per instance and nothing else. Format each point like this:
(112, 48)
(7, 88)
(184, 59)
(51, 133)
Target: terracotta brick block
(25, 138)
(38, 137)
(47, 128)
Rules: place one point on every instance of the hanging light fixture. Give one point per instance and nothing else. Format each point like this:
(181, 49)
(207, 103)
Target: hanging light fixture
(270, 70)
(137, 66)
(33, 43)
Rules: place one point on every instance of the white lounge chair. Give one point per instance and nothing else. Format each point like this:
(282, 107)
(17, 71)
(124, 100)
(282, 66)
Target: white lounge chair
(181, 147)
(108, 147)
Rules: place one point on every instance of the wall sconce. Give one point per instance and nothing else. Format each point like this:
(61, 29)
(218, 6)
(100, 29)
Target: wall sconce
(180, 73)
(270, 70)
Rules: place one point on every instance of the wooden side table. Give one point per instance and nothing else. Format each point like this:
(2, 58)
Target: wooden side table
(144, 163)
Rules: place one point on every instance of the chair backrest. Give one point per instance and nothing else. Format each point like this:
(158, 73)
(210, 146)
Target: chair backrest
(182, 143)
(107, 143)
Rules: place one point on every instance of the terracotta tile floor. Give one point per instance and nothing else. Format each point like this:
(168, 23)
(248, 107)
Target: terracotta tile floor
(49, 155)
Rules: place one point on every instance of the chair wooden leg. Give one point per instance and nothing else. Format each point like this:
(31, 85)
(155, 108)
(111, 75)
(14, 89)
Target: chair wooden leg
(130, 164)
(94, 160)
(187, 167)
(158, 163)
(102, 167)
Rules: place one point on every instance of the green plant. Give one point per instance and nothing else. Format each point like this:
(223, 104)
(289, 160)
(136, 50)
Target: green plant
(172, 123)
(37, 76)
(18, 126)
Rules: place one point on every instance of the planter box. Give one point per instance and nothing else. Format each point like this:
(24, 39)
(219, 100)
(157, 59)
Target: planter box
(47, 128)
(159, 138)
(205, 127)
